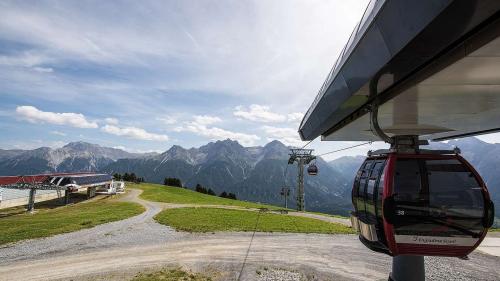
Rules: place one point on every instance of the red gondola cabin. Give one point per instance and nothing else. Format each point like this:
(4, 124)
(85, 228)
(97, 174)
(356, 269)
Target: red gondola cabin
(420, 204)
(312, 170)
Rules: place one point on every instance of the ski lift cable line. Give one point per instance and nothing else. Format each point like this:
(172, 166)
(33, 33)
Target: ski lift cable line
(307, 144)
(285, 173)
(345, 148)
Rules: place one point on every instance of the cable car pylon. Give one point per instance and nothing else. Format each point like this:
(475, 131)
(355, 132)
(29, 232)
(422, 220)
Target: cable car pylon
(285, 192)
(302, 157)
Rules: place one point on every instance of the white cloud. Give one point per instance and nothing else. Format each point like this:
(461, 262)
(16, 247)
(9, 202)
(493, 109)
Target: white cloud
(43, 69)
(56, 144)
(199, 127)
(33, 144)
(34, 115)
(287, 136)
(132, 150)
(134, 133)
(278, 55)
(167, 120)
(145, 150)
(259, 113)
(206, 119)
(111, 121)
(58, 133)
(295, 116)
(29, 59)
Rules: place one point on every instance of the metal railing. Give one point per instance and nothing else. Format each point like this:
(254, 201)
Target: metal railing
(10, 194)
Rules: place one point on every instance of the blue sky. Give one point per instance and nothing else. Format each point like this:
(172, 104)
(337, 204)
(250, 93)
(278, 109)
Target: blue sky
(145, 75)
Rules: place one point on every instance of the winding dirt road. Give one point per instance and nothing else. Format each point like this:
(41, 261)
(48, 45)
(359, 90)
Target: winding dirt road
(120, 249)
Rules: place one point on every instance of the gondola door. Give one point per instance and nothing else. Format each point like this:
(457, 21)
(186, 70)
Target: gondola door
(366, 199)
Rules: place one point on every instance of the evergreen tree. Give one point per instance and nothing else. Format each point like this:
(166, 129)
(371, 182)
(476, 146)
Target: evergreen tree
(133, 177)
(223, 194)
(199, 188)
(139, 180)
(210, 192)
(172, 182)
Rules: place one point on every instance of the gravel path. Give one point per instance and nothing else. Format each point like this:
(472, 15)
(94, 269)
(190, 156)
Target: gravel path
(274, 274)
(116, 251)
(343, 221)
(135, 231)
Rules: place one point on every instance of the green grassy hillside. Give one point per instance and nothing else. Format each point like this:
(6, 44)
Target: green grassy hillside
(168, 194)
(213, 219)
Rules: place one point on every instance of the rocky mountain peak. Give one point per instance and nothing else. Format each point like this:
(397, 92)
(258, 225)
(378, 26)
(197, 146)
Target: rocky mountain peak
(275, 143)
(81, 145)
(275, 150)
(174, 150)
(228, 143)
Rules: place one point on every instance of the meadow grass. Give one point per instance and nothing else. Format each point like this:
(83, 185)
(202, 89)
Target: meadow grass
(16, 224)
(169, 194)
(176, 274)
(213, 219)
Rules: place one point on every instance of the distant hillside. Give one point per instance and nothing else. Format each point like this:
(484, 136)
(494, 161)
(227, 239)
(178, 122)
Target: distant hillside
(6, 154)
(347, 165)
(485, 157)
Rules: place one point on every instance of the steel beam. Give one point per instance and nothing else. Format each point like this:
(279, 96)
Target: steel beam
(66, 196)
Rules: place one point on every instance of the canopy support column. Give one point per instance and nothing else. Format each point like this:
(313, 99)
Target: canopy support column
(66, 196)
(407, 268)
(91, 191)
(31, 200)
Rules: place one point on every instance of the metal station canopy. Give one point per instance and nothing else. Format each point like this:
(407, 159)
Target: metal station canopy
(62, 181)
(431, 67)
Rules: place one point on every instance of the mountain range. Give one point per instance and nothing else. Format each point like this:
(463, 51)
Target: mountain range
(75, 156)
(252, 173)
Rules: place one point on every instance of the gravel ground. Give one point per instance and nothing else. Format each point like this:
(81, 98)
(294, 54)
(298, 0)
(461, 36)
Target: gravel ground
(135, 231)
(279, 275)
(115, 251)
(479, 267)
